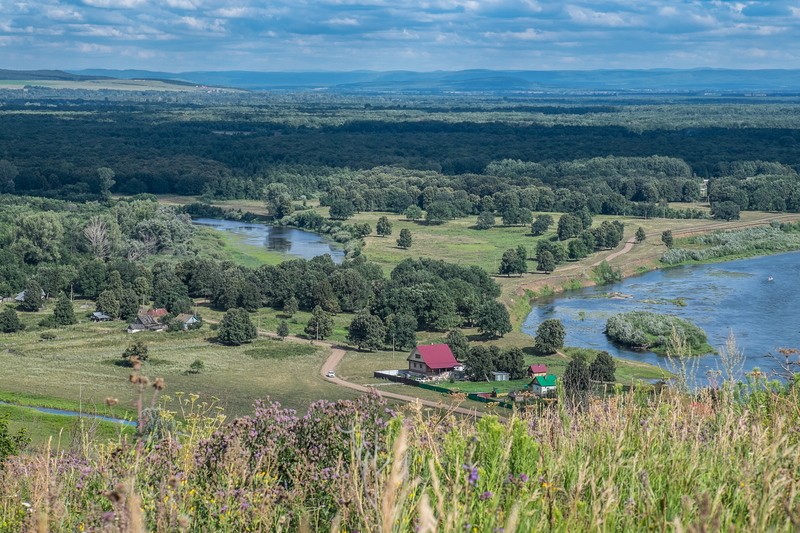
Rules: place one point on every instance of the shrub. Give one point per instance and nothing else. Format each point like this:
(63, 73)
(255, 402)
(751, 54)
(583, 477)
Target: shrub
(643, 329)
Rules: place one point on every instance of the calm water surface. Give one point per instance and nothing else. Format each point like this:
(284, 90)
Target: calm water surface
(736, 296)
(290, 241)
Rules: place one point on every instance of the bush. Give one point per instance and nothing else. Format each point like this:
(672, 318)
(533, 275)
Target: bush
(652, 331)
(197, 366)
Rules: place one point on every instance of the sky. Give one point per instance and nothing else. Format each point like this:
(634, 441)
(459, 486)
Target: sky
(421, 35)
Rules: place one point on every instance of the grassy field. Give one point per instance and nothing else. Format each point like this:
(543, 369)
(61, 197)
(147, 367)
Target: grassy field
(83, 364)
(65, 431)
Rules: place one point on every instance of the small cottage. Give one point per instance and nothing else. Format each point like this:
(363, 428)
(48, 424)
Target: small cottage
(500, 376)
(432, 359)
(21, 296)
(187, 320)
(97, 316)
(146, 323)
(543, 385)
(537, 370)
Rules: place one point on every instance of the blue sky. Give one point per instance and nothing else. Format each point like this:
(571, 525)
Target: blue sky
(180, 35)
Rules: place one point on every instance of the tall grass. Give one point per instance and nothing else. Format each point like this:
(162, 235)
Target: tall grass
(728, 461)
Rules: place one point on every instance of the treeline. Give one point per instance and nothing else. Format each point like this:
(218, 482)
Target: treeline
(69, 247)
(57, 247)
(189, 150)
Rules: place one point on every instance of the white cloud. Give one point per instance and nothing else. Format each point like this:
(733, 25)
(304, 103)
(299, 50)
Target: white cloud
(115, 4)
(343, 21)
(598, 18)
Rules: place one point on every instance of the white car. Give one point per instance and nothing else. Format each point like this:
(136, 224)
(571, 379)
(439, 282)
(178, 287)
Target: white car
(330, 374)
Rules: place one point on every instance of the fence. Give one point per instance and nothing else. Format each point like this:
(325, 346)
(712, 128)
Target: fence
(393, 375)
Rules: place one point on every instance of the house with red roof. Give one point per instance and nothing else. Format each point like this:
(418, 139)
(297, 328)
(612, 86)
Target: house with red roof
(432, 359)
(157, 313)
(537, 370)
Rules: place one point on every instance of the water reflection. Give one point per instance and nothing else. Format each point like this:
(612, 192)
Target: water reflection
(290, 241)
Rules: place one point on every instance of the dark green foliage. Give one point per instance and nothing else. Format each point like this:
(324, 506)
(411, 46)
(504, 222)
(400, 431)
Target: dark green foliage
(517, 216)
(11, 444)
(9, 321)
(659, 333)
(493, 319)
(577, 249)
(557, 249)
(290, 306)
(485, 220)
(108, 303)
(413, 212)
(541, 224)
(481, 361)
(549, 337)
(320, 325)
(283, 329)
(128, 305)
(404, 241)
(576, 380)
(342, 210)
(666, 238)
(138, 349)
(458, 343)
(726, 211)
(478, 364)
(438, 213)
(236, 328)
(33, 297)
(511, 361)
(197, 366)
(511, 263)
(63, 312)
(604, 273)
(401, 331)
(603, 368)
(569, 225)
(383, 227)
(366, 331)
(640, 235)
(546, 262)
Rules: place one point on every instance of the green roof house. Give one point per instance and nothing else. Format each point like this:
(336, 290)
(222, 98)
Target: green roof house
(543, 385)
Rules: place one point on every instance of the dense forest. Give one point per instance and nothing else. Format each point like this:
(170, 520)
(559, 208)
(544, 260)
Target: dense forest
(645, 151)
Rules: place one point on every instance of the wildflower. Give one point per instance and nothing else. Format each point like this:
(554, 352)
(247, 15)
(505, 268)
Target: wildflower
(159, 384)
(486, 495)
(111, 401)
(523, 478)
(473, 477)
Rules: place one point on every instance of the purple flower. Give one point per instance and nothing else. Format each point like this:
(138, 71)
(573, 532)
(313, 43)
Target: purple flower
(486, 495)
(473, 474)
(523, 478)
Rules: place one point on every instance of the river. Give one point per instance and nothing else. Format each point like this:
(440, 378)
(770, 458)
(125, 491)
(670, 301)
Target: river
(736, 296)
(293, 242)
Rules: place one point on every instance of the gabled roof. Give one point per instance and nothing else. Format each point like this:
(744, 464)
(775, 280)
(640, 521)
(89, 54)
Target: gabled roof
(437, 356)
(184, 317)
(538, 369)
(544, 381)
(146, 320)
(158, 312)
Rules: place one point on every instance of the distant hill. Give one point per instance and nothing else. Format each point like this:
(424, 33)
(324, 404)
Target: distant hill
(47, 75)
(657, 80)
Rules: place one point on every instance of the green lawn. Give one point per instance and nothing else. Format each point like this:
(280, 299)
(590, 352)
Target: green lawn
(65, 431)
(82, 365)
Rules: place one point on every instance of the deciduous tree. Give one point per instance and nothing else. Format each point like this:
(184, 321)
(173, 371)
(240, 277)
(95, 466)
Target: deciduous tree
(493, 319)
(549, 336)
(236, 328)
